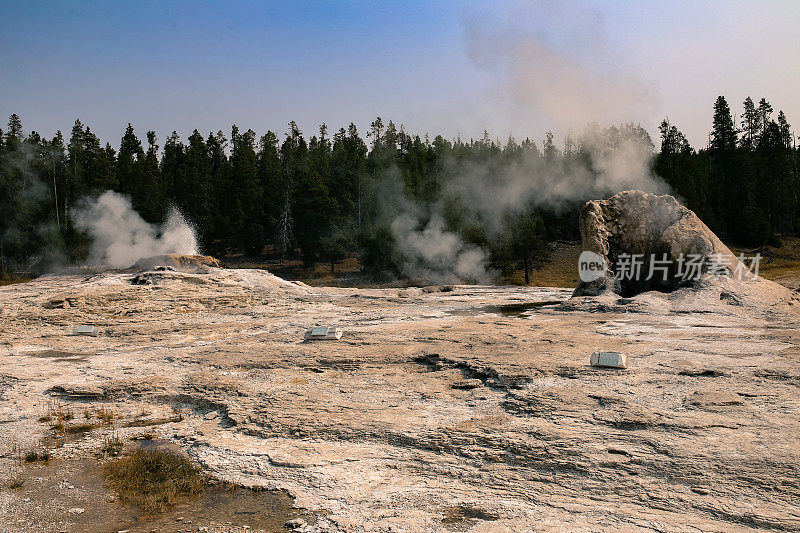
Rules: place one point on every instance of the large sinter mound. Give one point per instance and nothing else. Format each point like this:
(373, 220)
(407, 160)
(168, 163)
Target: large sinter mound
(652, 226)
(636, 222)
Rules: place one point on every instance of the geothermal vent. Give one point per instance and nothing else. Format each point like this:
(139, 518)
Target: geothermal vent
(650, 227)
(182, 262)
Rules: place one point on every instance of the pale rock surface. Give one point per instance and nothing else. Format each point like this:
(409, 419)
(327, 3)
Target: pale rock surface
(699, 433)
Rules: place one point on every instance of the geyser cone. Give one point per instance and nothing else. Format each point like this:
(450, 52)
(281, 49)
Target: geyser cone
(652, 227)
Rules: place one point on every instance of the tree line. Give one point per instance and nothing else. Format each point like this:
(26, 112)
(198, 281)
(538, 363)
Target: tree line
(745, 183)
(322, 199)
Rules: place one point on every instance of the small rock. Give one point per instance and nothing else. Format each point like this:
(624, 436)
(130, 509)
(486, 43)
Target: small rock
(713, 398)
(699, 490)
(295, 523)
(701, 372)
(286, 461)
(78, 391)
(466, 383)
(76, 510)
(211, 416)
(618, 451)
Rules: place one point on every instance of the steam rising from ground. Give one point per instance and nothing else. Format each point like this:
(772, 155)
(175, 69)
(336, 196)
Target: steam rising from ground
(555, 68)
(120, 236)
(603, 162)
(435, 254)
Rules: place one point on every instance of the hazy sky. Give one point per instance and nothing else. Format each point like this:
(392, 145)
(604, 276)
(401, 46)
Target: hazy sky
(439, 67)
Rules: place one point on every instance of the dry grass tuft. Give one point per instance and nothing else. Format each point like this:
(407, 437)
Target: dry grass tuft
(56, 411)
(105, 415)
(15, 471)
(112, 445)
(153, 480)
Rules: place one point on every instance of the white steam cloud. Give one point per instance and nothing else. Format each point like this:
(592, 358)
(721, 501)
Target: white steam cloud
(435, 254)
(603, 163)
(555, 69)
(120, 236)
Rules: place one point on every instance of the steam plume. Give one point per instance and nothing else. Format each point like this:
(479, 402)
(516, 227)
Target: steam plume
(435, 254)
(120, 236)
(487, 191)
(555, 68)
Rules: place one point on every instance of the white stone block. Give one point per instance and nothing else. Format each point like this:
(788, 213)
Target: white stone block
(91, 331)
(609, 359)
(323, 333)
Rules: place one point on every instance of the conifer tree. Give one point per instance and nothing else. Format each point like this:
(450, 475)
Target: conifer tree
(294, 161)
(246, 193)
(315, 213)
(270, 180)
(723, 134)
(130, 167)
(764, 115)
(197, 195)
(148, 197)
(173, 173)
(750, 124)
(785, 129)
(219, 238)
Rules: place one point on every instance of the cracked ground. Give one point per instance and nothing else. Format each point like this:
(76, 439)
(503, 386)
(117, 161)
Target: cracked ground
(437, 410)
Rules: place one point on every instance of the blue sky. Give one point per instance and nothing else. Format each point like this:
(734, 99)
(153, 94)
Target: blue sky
(457, 68)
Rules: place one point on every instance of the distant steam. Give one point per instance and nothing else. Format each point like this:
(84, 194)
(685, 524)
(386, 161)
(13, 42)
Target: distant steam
(604, 162)
(556, 67)
(555, 71)
(435, 254)
(120, 236)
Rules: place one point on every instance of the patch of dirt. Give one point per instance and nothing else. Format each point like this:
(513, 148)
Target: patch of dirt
(75, 495)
